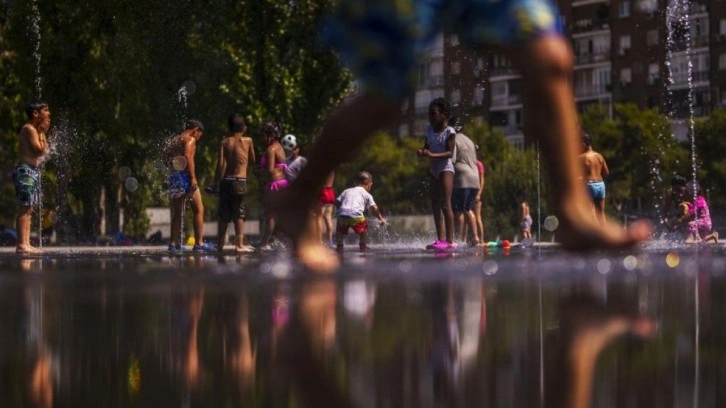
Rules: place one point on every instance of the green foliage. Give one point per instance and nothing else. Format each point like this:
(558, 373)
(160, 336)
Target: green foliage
(711, 163)
(640, 151)
(114, 73)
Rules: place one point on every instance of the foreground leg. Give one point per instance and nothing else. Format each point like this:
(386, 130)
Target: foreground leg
(343, 133)
(22, 227)
(546, 65)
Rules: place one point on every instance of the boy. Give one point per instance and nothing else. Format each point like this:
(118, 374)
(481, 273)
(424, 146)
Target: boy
(352, 204)
(236, 153)
(595, 170)
(26, 175)
(381, 40)
(179, 158)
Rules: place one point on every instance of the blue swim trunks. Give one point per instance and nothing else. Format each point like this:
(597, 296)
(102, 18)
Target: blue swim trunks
(180, 184)
(26, 179)
(596, 190)
(382, 40)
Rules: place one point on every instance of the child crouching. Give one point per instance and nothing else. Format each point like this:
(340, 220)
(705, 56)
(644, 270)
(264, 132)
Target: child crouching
(352, 204)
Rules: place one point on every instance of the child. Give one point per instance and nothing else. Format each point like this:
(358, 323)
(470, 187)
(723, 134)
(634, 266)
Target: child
(383, 42)
(595, 170)
(26, 175)
(439, 148)
(352, 204)
(525, 219)
(700, 226)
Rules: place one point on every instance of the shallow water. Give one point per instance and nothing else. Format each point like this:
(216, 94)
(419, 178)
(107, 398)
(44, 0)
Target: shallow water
(394, 328)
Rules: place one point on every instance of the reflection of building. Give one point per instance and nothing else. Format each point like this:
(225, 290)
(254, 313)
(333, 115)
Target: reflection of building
(621, 50)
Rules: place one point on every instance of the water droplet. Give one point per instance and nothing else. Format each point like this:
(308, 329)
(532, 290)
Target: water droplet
(124, 173)
(490, 267)
(179, 163)
(673, 259)
(131, 184)
(604, 266)
(551, 223)
(630, 262)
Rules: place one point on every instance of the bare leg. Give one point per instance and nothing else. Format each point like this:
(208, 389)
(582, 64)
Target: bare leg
(586, 328)
(221, 234)
(436, 208)
(343, 133)
(177, 204)
(363, 243)
(328, 220)
(198, 210)
(447, 187)
(22, 227)
(470, 220)
(546, 65)
(479, 221)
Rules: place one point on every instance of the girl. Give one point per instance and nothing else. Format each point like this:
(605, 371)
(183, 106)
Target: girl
(439, 148)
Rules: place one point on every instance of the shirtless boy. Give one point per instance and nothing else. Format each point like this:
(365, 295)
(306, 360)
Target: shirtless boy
(236, 153)
(595, 170)
(179, 159)
(26, 176)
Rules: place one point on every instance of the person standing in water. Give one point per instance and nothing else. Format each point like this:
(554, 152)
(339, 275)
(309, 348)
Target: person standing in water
(26, 175)
(596, 169)
(439, 148)
(236, 154)
(179, 159)
(274, 166)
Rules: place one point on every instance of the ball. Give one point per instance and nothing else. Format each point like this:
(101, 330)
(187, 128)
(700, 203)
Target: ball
(288, 142)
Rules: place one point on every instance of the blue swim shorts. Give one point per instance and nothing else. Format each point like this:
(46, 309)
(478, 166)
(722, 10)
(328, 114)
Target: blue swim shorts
(26, 179)
(382, 40)
(180, 184)
(596, 190)
(462, 199)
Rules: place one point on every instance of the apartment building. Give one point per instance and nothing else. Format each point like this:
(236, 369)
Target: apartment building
(642, 52)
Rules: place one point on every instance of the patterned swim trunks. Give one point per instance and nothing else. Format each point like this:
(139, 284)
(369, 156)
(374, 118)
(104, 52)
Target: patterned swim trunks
(382, 40)
(26, 179)
(180, 184)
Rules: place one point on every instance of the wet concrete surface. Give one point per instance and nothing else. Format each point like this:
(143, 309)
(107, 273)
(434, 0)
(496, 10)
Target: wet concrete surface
(396, 327)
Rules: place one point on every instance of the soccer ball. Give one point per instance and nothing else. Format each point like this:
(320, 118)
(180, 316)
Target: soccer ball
(288, 142)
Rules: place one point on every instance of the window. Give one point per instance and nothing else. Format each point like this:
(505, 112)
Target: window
(455, 68)
(624, 44)
(499, 89)
(651, 37)
(722, 62)
(478, 96)
(653, 73)
(455, 97)
(624, 10)
(722, 26)
(626, 76)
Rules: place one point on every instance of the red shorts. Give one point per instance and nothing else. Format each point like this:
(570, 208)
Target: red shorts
(327, 196)
(359, 225)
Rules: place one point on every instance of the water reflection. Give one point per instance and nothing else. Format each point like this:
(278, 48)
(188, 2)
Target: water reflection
(194, 331)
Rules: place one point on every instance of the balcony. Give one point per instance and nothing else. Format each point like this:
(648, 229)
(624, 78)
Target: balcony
(591, 58)
(585, 25)
(681, 78)
(506, 100)
(502, 72)
(682, 44)
(592, 90)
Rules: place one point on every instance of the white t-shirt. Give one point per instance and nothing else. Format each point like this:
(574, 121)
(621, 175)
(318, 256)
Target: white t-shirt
(294, 167)
(354, 202)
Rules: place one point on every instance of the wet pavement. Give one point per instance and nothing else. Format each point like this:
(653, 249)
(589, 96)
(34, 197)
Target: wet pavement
(401, 327)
